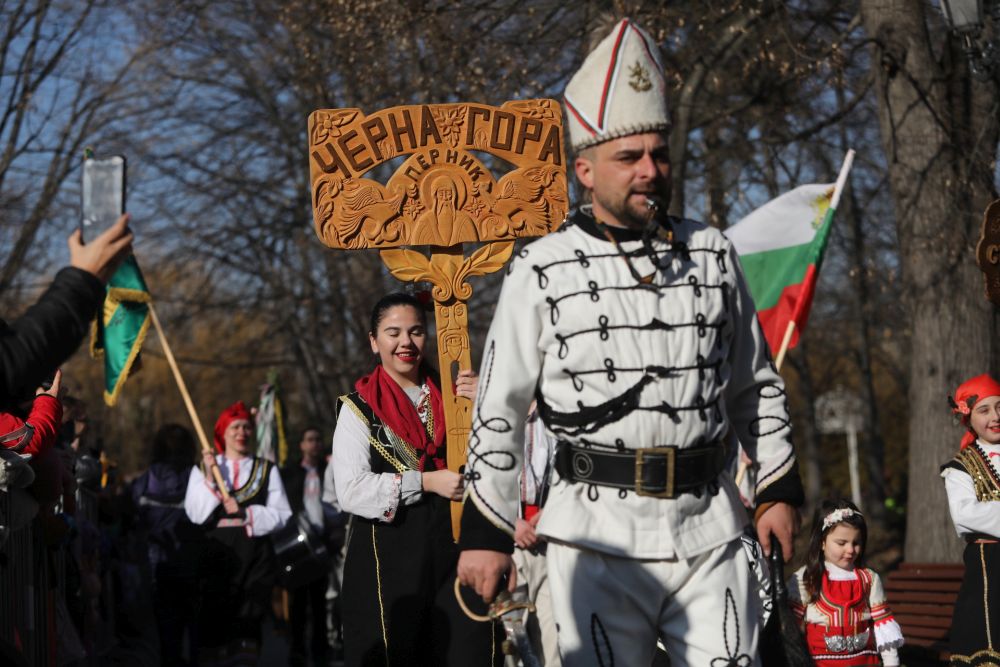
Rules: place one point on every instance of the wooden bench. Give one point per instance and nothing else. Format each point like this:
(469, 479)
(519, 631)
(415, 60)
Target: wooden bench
(922, 598)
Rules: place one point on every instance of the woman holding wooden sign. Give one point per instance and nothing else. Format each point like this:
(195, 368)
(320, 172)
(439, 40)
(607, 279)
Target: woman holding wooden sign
(390, 472)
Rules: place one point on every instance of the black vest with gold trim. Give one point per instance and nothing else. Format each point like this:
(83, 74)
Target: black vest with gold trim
(976, 464)
(253, 492)
(389, 452)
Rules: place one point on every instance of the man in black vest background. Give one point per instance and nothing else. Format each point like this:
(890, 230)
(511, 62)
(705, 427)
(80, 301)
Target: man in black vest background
(308, 603)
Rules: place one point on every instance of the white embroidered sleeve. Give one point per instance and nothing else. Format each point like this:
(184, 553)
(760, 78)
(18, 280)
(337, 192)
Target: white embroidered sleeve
(200, 498)
(968, 514)
(359, 490)
(511, 366)
(264, 519)
(412, 487)
(890, 657)
(755, 394)
(330, 489)
(888, 634)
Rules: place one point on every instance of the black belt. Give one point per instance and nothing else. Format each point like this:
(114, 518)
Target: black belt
(658, 472)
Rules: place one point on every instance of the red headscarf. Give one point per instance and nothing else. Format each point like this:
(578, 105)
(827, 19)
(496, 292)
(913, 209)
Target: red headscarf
(967, 395)
(394, 409)
(235, 411)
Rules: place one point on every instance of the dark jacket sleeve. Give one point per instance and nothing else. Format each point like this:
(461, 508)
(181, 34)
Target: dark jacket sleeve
(37, 343)
(479, 533)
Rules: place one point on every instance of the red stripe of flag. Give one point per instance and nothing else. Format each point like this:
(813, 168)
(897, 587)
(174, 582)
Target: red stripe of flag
(793, 306)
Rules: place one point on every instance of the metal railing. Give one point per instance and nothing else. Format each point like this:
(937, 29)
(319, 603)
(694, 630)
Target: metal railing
(26, 617)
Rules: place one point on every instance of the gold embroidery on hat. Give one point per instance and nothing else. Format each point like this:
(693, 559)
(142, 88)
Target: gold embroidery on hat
(638, 78)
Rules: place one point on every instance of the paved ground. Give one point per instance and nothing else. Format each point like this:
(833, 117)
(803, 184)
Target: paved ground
(275, 648)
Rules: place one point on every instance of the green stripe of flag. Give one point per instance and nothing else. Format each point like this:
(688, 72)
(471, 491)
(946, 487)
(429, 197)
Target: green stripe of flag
(768, 273)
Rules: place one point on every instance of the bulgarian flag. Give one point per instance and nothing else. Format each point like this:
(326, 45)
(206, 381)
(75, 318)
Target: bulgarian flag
(781, 247)
(121, 325)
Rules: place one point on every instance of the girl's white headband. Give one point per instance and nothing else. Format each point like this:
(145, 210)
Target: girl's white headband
(836, 516)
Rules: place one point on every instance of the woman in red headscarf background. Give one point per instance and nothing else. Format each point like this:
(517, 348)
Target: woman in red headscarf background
(972, 481)
(390, 472)
(238, 561)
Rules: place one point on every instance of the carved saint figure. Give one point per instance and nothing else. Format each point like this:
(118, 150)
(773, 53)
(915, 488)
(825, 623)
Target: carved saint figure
(444, 222)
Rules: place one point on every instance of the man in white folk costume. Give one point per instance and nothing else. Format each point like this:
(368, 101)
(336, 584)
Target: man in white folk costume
(637, 335)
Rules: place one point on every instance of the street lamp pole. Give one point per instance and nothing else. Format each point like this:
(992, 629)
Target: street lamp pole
(966, 18)
(839, 411)
(852, 461)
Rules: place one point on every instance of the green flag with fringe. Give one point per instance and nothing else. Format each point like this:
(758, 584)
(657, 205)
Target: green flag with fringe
(120, 327)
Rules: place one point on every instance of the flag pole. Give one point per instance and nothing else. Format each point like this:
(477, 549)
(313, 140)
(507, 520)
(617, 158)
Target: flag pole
(779, 359)
(187, 400)
(838, 190)
(785, 342)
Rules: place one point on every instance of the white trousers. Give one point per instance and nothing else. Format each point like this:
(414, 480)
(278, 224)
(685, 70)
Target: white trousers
(610, 610)
(532, 573)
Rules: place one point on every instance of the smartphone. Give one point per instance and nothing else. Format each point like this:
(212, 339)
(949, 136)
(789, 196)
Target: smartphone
(103, 194)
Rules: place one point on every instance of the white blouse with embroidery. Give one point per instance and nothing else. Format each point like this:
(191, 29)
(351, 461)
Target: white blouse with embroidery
(970, 515)
(202, 496)
(355, 487)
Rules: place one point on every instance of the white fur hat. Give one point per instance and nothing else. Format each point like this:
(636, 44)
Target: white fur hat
(619, 90)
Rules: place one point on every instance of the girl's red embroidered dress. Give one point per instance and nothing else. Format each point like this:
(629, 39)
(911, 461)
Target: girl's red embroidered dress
(849, 624)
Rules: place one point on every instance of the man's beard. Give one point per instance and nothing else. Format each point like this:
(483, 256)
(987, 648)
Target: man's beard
(633, 212)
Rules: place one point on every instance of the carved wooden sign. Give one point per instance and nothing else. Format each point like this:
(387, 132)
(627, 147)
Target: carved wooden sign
(441, 194)
(988, 251)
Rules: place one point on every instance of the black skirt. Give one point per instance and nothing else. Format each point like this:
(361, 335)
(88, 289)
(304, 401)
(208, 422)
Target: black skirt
(237, 576)
(398, 598)
(978, 604)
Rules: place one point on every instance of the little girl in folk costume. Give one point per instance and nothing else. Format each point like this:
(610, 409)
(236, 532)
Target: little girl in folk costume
(972, 481)
(841, 602)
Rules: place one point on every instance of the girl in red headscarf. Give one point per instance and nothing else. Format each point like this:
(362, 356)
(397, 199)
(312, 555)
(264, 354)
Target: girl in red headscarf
(390, 471)
(238, 559)
(972, 480)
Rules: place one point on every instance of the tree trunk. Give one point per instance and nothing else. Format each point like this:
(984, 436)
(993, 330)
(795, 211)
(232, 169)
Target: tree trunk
(939, 132)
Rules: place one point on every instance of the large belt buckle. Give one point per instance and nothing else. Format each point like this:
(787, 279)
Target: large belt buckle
(670, 454)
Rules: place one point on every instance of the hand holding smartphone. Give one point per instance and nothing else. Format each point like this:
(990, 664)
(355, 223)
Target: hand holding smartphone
(103, 240)
(103, 194)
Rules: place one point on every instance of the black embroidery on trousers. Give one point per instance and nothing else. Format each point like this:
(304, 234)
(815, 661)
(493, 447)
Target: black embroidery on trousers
(733, 657)
(599, 635)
